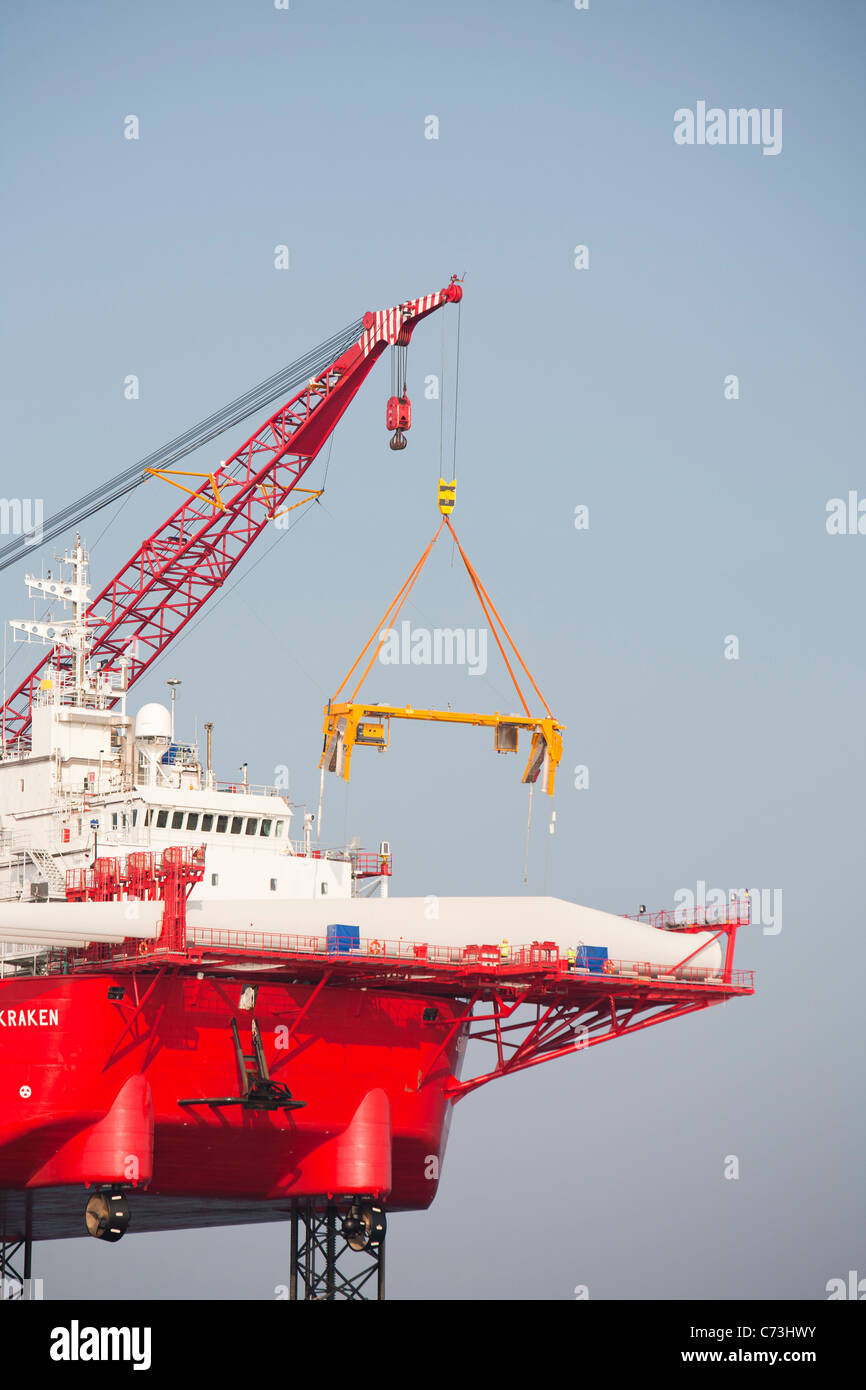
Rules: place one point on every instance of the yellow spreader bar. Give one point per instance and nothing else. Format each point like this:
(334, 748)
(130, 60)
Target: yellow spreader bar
(349, 723)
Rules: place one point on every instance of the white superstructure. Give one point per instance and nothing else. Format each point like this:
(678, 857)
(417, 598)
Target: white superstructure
(97, 782)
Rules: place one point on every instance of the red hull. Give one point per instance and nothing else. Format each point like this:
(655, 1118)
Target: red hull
(90, 1090)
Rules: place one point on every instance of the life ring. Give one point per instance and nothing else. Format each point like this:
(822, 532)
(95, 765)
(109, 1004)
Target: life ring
(375, 948)
(143, 947)
(608, 967)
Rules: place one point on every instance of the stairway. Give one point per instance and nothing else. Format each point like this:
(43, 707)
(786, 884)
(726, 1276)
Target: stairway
(49, 871)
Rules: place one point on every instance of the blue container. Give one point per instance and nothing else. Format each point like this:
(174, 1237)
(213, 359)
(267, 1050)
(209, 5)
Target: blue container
(592, 958)
(342, 938)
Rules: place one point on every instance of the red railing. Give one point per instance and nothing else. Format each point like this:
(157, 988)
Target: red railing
(384, 956)
(140, 875)
(736, 913)
(536, 969)
(367, 864)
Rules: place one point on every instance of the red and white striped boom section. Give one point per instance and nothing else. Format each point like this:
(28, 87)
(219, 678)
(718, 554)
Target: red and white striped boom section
(177, 569)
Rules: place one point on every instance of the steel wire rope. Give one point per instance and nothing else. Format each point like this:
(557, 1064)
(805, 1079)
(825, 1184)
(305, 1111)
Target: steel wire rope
(20, 646)
(279, 384)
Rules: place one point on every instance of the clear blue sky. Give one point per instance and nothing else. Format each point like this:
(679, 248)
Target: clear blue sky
(603, 387)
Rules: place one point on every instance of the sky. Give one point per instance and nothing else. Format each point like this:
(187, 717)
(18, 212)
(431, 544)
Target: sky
(666, 334)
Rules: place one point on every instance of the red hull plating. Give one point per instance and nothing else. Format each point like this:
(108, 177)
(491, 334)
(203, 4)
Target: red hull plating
(90, 1090)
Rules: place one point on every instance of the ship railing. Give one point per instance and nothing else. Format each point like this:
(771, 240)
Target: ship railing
(14, 751)
(304, 851)
(736, 913)
(299, 944)
(656, 972)
(22, 957)
(372, 948)
(249, 788)
(423, 958)
(544, 953)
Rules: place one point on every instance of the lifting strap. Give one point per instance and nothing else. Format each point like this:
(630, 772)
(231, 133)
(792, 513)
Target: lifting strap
(490, 612)
(348, 722)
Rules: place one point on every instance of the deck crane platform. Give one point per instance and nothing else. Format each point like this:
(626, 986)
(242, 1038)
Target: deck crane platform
(351, 722)
(190, 556)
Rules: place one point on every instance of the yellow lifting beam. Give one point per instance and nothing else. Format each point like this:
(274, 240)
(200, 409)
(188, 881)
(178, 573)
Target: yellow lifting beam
(350, 721)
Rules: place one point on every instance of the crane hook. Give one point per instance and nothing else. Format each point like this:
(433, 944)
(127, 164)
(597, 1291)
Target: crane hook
(398, 440)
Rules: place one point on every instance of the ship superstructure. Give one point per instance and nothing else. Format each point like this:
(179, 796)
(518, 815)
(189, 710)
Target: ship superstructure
(95, 780)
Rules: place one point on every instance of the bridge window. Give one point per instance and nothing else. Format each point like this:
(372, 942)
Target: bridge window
(177, 820)
(265, 828)
(237, 824)
(207, 822)
(252, 824)
(192, 821)
(278, 828)
(273, 885)
(161, 819)
(222, 824)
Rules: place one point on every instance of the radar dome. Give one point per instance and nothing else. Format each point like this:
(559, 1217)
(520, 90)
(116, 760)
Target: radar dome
(153, 722)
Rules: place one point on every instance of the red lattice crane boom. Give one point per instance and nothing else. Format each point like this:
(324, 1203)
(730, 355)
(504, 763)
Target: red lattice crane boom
(177, 569)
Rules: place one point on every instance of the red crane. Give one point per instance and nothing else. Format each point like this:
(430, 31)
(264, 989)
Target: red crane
(177, 569)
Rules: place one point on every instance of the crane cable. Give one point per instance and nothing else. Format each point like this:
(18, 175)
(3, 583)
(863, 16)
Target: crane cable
(456, 395)
(442, 402)
(274, 387)
(456, 392)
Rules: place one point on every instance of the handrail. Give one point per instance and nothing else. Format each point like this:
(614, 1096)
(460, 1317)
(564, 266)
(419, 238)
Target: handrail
(533, 960)
(736, 913)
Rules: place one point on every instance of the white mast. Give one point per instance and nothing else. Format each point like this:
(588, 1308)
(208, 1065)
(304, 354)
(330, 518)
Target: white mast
(73, 633)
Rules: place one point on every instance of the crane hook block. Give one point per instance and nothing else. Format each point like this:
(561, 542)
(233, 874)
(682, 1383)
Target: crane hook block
(447, 496)
(398, 415)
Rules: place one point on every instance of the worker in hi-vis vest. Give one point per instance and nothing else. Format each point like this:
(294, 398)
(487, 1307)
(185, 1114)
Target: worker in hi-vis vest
(503, 949)
(571, 957)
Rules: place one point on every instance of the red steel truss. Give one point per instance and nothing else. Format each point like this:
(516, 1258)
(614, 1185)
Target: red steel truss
(177, 569)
